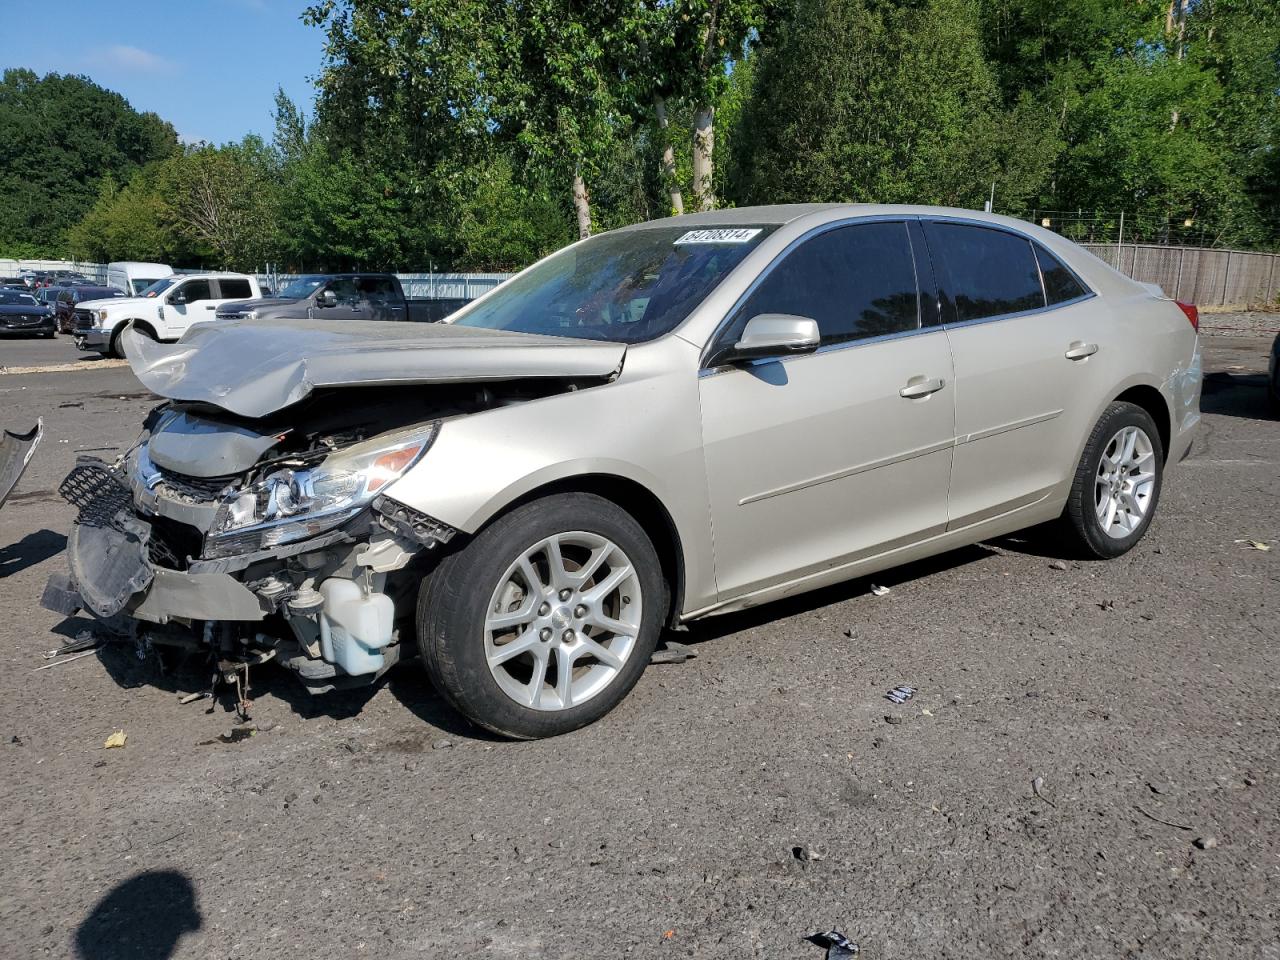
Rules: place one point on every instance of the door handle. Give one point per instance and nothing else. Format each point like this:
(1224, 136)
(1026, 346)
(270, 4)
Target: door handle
(210, 306)
(1079, 350)
(918, 387)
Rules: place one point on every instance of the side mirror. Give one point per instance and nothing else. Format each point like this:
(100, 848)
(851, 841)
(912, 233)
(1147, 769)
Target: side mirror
(774, 335)
(327, 298)
(178, 297)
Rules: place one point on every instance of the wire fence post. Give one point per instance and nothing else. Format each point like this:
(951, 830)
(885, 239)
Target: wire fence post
(1226, 279)
(1270, 294)
(1177, 286)
(1120, 244)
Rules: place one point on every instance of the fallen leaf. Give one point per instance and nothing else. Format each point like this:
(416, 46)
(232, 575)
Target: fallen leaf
(117, 739)
(927, 713)
(668, 934)
(1260, 545)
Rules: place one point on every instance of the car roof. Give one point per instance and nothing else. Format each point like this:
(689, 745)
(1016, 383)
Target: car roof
(779, 214)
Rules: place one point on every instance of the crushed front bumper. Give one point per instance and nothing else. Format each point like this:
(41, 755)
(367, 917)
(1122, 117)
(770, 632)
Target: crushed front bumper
(111, 571)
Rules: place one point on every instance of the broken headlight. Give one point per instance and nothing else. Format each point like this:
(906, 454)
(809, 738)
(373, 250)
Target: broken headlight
(291, 504)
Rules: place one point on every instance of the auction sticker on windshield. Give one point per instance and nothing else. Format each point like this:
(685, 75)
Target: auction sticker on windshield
(719, 235)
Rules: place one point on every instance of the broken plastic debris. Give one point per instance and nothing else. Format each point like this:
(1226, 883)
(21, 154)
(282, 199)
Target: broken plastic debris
(117, 739)
(839, 947)
(900, 694)
(879, 591)
(672, 653)
(1256, 545)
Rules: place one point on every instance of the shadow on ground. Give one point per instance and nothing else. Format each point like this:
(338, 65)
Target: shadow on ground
(142, 918)
(32, 549)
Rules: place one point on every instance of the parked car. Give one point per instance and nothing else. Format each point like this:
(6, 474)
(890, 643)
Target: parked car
(165, 310)
(71, 297)
(133, 277)
(49, 296)
(341, 296)
(662, 423)
(22, 314)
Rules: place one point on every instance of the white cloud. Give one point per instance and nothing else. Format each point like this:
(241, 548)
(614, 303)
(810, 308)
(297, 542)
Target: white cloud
(133, 59)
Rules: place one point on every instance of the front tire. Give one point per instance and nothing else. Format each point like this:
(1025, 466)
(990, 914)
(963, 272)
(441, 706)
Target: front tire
(1117, 483)
(545, 620)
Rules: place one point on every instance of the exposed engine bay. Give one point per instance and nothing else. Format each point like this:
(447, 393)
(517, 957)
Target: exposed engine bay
(271, 538)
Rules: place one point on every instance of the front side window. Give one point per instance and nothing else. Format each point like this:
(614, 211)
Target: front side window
(983, 272)
(197, 290)
(857, 282)
(153, 288)
(1060, 284)
(625, 287)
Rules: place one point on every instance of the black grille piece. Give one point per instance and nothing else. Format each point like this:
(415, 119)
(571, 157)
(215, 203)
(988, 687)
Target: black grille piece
(98, 493)
(195, 488)
(173, 544)
(84, 319)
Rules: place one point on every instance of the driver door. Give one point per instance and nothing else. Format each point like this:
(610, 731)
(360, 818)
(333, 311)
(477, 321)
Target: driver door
(197, 306)
(818, 461)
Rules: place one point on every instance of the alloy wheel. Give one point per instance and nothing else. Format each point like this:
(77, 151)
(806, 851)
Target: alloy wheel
(562, 621)
(1125, 482)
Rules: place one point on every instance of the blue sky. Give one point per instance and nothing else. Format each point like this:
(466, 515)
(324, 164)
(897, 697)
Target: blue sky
(209, 67)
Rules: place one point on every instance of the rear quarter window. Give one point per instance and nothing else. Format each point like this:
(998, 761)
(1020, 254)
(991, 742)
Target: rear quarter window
(1060, 284)
(984, 272)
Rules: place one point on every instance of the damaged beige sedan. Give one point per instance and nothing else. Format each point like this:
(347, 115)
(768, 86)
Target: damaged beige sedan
(654, 425)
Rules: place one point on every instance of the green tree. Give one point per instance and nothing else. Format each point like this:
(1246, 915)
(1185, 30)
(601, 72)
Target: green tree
(60, 138)
(868, 100)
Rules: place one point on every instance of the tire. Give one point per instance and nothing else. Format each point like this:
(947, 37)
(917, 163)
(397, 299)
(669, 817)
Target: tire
(485, 579)
(1094, 487)
(114, 349)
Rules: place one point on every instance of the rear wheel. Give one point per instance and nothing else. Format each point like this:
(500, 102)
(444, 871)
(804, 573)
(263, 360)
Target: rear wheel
(545, 621)
(1117, 483)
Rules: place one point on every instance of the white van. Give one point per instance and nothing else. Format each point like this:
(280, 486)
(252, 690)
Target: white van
(133, 277)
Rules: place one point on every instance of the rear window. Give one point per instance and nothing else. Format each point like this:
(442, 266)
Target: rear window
(234, 289)
(1060, 284)
(984, 272)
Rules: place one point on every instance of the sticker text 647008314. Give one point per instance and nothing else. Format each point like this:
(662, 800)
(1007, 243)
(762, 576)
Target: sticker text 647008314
(719, 235)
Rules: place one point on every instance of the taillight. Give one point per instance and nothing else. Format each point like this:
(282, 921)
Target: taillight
(1192, 312)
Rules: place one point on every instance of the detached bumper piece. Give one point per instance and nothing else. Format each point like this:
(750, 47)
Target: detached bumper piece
(111, 552)
(16, 450)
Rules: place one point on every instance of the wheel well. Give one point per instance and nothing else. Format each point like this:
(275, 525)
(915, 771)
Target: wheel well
(1151, 400)
(641, 504)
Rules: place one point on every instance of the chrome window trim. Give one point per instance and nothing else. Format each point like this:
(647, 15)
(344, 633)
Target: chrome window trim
(786, 251)
(1018, 314)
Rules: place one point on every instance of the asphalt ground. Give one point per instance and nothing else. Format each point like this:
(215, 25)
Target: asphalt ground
(1089, 767)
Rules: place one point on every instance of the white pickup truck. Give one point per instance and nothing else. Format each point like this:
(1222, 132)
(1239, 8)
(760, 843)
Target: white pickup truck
(163, 312)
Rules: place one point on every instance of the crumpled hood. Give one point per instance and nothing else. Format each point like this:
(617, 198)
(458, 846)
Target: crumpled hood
(253, 369)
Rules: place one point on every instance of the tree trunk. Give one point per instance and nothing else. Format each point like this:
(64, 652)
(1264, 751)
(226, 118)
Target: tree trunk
(668, 156)
(703, 148)
(581, 205)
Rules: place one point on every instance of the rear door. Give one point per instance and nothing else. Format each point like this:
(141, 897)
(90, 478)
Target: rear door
(1028, 374)
(817, 461)
(227, 289)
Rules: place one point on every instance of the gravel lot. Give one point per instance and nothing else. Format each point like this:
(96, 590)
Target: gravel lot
(734, 803)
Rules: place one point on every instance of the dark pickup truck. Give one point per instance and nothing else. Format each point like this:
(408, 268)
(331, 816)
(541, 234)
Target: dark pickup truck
(338, 296)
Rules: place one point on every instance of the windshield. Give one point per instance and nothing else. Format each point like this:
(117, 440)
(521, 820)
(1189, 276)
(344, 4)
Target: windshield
(301, 288)
(13, 296)
(625, 287)
(153, 288)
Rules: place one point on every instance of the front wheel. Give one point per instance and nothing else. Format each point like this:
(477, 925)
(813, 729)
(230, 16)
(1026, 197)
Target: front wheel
(1117, 482)
(545, 621)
